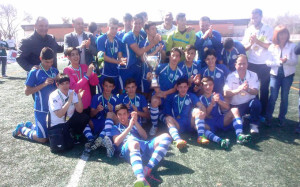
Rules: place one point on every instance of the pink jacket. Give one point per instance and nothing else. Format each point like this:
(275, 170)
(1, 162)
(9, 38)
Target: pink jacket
(76, 83)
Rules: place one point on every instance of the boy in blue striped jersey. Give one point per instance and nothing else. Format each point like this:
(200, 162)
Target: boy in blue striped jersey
(180, 110)
(167, 75)
(129, 138)
(215, 117)
(40, 82)
(101, 105)
(110, 45)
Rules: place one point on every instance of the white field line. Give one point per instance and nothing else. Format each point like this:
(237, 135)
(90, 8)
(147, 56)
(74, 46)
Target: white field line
(78, 171)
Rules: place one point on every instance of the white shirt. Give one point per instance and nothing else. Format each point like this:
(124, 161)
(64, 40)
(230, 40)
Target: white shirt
(258, 54)
(56, 101)
(233, 82)
(289, 67)
(164, 32)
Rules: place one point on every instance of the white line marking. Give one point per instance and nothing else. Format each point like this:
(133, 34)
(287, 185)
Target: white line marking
(78, 170)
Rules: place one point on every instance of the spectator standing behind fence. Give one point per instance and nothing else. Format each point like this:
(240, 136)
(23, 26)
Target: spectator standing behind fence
(257, 39)
(283, 62)
(3, 55)
(30, 47)
(297, 52)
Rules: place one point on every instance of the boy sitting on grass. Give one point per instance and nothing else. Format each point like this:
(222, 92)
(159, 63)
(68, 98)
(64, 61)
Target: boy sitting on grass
(129, 138)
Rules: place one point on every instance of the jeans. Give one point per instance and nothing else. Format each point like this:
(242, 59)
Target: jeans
(276, 83)
(263, 73)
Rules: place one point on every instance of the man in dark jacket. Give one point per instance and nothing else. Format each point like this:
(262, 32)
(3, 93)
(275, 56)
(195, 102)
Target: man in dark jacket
(30, 47)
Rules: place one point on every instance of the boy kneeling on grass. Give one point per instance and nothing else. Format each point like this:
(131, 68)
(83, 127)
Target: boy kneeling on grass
(65, 106)
(216, 119)
(129, 138)
(40, 82)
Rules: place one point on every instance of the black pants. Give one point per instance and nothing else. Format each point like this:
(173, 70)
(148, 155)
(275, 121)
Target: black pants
(263, 73)
(78, 122)
(3, 61)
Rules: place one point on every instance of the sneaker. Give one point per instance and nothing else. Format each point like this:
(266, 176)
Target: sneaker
(180, 143)
(225, 143)
(147, 171)
(77, 139)
(107, 143)
(4, 76)
(153, 131)
(17, 130)
(97, 143)
(28, 125)
(141, 183)
(89, 144)
(254, 128)
(202, 140)
(242, 138)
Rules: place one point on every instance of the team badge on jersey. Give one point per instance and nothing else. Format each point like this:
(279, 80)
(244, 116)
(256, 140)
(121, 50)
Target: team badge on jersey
(218, 75)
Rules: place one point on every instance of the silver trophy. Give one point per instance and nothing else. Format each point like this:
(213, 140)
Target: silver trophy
(152, 62)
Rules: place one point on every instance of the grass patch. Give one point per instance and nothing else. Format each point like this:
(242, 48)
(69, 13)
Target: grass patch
(272, 159)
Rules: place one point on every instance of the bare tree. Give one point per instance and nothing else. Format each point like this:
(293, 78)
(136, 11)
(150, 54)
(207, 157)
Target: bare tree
(66, 20)
(9, 20)
(292, 22)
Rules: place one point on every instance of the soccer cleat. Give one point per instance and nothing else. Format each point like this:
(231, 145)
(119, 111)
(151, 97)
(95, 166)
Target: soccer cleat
(147, 171)
(17, 130)
(89, 144)
(180, 143)
(28, 125)
(225, 143)
(153, 131)
(141, 183)
(202, 140)
(107, 143)
(242, 138)
(254, 128)
(97, 143)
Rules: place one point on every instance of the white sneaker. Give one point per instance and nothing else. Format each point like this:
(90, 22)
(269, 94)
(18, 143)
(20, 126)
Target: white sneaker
(254, 128)
(153, 131)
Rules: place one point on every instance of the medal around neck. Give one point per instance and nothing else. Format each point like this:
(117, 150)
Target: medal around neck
(152, 62)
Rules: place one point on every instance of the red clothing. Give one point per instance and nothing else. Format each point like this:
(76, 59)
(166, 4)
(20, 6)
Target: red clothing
(78, 82)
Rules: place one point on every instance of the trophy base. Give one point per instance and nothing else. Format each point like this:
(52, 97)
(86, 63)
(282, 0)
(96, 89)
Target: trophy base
(154, 84)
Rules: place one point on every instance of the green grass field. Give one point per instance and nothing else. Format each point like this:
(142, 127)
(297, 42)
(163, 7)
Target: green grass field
(272, 159)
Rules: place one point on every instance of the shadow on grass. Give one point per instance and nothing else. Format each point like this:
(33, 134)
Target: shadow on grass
(170, 168)
(16, 78)
(285, 134)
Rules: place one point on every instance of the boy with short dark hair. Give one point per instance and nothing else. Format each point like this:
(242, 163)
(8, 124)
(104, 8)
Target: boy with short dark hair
(216, 119)
(65, 106)
(129, 138)
(101, 105)
(181, 109)
(40, 82)
(134, 101)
